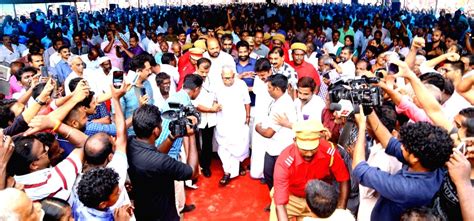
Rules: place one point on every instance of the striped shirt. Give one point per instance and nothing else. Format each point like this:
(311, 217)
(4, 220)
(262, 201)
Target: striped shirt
(52, 182)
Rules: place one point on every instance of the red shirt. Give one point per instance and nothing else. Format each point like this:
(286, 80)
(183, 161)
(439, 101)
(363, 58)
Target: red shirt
(292, 172)
(184, 68)
(306, 70)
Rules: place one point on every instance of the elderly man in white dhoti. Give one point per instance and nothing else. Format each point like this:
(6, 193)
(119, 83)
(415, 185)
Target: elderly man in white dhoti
(232, 130)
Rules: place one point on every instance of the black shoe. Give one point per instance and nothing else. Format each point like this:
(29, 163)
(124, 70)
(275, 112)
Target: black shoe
(188, 208)
(267, 208)
(206, 172)
(225, 180)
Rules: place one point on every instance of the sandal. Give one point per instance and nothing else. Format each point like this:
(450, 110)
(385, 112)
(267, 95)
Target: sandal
(225, 179)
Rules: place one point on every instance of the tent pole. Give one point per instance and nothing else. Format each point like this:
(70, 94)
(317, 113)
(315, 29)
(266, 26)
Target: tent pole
(77, 15)
(14, 9)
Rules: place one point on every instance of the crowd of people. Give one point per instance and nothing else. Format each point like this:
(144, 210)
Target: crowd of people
(110, 114)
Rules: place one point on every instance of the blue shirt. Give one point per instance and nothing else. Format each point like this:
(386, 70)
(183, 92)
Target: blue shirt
(62, 70)
(100, 112)
(399, 191)
(83, 213)
(129, 102)
(183, 98)
(249, 81)
(93, 128)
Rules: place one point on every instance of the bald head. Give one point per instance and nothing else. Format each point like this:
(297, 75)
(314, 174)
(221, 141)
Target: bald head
(213, 47)
(98, 148)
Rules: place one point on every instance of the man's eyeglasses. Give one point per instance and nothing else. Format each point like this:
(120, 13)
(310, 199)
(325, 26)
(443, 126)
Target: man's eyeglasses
(228, 78)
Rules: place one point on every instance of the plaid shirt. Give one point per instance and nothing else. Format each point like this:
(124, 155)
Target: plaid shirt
(289, 72)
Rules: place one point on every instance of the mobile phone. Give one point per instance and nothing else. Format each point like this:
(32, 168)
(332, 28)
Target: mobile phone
(143, 91)
(392, 69)
(44, 71)
(117, 79)
(462, 147)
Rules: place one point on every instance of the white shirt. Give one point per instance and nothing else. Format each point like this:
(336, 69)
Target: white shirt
(90, 64)
(206, 98)
(9, 56)
(312, 59)
(105, 79)
(119, 164)
(89, 76)
(348, 69)
(145, 43)
(54, 59)
(54, 181)
(331, 48)
(153, 48)
(216, 66)
(404, 51)
(283, 136)
(368, 197)
(337, 215)
(312, 110)
(453, 105)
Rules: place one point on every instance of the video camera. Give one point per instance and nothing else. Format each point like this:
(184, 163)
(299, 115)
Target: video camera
(357, 91)
(178, 114)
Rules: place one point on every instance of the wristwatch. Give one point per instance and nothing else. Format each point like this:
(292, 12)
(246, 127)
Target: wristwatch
(40, 102)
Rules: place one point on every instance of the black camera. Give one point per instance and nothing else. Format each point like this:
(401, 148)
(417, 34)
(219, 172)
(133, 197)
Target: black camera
(358, 91)
(178, 114)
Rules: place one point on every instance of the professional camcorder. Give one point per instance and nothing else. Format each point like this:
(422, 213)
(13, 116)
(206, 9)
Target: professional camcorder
(357, 91)
(178, 114)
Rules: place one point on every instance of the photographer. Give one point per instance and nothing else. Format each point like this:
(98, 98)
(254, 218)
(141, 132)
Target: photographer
(191, 89)
(153, 172)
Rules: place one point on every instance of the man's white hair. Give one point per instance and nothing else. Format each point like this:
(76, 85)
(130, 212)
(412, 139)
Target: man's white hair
(6, 212)
(72, 58)
(227, 68)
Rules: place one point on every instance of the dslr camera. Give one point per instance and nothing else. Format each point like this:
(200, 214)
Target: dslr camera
(178, 114)
(358, 91)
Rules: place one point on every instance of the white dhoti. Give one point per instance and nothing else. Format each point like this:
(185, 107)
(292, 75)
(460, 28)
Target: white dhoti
(258, 154)
(231, 132)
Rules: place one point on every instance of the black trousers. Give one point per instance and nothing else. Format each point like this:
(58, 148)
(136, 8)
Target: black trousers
(268, 168)
(207, 134)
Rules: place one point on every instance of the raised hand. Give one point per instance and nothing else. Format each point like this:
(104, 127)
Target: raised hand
(459, 168)
(81, 91)
(418, 42)
(360, 117)
(6, 149)
(118, 93)
(452, 56)
(40, 123)
(143, 100)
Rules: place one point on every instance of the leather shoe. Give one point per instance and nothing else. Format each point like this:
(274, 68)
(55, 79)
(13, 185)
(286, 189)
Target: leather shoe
(206, 172)
(225, 180)
(188, 208)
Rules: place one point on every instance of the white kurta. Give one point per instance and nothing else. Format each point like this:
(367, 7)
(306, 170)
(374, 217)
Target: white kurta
(231, 132)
